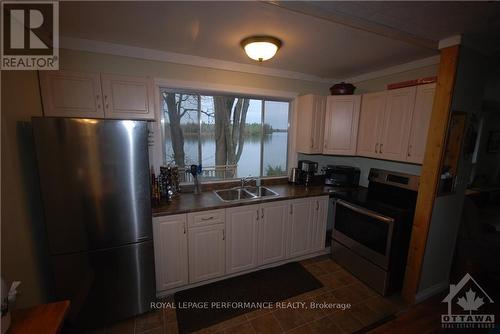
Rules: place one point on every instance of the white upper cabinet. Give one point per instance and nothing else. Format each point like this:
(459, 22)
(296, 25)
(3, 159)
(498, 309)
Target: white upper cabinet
(397, 123)
(171, 251)
(127, 97)
(94, 95)
(370, 124)
(273, 231)
(242, 238)
(341, 124)
(310, 123)
(71, 94)
(420, 123)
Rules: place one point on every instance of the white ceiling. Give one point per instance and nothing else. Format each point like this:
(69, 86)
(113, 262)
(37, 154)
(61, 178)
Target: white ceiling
(434, 20)
(313, 45)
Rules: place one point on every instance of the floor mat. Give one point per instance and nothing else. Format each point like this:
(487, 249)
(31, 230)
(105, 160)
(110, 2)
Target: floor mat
(268, 285)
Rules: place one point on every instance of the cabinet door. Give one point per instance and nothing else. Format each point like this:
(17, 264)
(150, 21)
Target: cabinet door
(71, 94)
(320, 213)
(397, 123)
(171, 251)
(370, 124)
(424, 101)
(206, 252)
(341, 124)
(241, 238)
(310, 127)
(299, 227)
(127, 97)
(272, 231)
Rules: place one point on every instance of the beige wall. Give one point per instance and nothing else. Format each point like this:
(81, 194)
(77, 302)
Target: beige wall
(94, 62)
(22, 230)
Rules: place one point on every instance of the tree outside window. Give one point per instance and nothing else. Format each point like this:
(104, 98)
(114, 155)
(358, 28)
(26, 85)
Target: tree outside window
(229, 136)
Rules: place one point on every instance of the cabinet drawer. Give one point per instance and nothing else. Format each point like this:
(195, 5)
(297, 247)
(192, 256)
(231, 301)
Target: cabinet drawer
(205, 218)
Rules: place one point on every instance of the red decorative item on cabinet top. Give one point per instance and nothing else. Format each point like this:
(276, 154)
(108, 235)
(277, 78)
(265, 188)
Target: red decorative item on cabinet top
(415, 82)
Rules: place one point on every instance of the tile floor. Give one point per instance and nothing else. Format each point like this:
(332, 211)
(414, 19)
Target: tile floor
(339, 287)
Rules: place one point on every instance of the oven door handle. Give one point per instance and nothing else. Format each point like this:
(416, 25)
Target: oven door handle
(365, 211)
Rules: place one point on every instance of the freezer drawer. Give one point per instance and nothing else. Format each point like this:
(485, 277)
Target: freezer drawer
(107, 285)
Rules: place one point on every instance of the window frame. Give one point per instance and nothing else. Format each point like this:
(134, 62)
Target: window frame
(157, 156)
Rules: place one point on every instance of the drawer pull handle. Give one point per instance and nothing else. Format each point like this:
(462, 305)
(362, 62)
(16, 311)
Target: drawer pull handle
(381, 145)
(262, 210)
(257, 214)
(208, 218)
(223, 234)
(376, 147)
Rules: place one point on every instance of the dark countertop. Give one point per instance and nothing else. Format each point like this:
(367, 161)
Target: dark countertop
(207, 200)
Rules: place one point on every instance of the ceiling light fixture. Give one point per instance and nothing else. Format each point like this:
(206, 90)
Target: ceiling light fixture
(261, 48)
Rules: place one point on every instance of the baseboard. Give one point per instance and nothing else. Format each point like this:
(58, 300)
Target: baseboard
(165, 293)
(431, 291)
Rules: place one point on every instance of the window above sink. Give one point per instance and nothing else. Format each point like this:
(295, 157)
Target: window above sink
(231, 136)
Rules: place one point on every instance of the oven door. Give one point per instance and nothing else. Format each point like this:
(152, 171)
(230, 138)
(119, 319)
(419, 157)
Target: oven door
(364, 231)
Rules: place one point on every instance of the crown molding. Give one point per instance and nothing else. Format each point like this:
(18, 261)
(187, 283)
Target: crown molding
(395, 69)
(80, 44)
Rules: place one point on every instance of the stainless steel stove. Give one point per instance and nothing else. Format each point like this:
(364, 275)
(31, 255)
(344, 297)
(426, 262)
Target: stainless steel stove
(372, 227)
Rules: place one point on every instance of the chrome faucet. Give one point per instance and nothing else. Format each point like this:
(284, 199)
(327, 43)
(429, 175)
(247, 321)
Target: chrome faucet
(247, 179)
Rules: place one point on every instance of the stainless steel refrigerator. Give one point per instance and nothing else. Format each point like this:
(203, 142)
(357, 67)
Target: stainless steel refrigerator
(95, 185)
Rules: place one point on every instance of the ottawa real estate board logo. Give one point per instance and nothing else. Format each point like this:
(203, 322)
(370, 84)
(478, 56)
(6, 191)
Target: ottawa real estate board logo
(464, 303)
(30, 35)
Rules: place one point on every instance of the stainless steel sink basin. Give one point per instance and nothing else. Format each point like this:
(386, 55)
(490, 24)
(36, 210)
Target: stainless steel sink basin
(235, 194)
(261, 191)
(246, 193)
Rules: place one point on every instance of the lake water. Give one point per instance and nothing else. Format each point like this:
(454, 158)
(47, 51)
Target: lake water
(275, 153)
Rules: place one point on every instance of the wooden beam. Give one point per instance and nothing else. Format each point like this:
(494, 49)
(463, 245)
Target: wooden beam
(431, 170)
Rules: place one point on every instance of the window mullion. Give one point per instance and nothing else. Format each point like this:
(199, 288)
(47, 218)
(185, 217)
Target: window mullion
(200, 157)
(262, 115)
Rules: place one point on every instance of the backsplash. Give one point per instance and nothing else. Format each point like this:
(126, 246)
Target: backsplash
(364, 164)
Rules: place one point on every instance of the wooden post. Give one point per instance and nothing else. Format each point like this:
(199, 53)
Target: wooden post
(431, 168)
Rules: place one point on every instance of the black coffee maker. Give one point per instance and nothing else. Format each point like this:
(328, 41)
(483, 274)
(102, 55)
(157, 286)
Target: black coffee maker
(308, 169)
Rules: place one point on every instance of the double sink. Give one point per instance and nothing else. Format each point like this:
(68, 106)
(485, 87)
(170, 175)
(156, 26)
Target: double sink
(244, 193)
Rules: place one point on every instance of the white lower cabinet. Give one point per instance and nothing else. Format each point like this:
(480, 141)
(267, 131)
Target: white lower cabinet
(237, 239)
(242, 237)
(300, 226)
(273, 232)
(207, 252)
(320, 215)
(171, 251)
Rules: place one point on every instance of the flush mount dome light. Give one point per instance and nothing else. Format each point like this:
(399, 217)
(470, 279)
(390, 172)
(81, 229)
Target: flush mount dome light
(261, 48)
